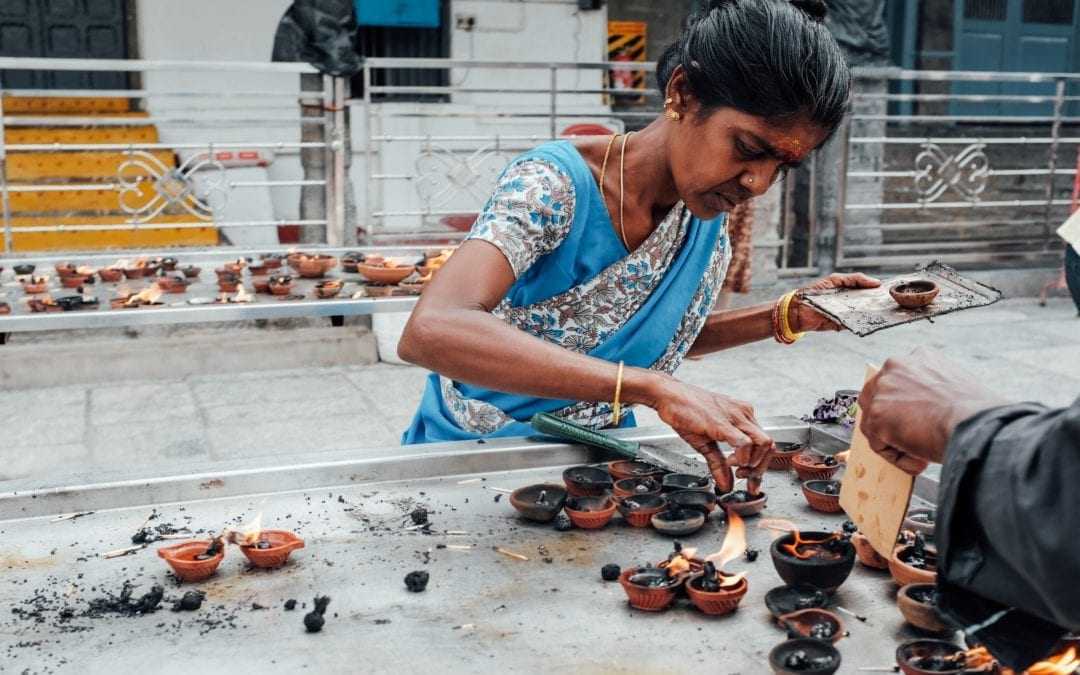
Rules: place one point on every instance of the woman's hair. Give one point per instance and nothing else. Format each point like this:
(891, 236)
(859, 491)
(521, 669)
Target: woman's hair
(769, 58)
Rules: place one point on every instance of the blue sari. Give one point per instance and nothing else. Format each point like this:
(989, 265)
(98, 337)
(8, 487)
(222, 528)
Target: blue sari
(579, 287)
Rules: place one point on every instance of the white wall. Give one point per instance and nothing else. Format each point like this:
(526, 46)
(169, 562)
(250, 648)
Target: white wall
(504, 30)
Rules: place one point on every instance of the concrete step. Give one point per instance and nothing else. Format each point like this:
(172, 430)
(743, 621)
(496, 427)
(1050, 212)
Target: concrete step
(89, 240)
(61, 358)
(65, 105)
(32, 166)
(67, 135)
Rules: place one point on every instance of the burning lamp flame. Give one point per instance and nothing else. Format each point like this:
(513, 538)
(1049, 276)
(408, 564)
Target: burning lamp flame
(733, 547)
(248, 535)
(788, 527)
(1063, 663)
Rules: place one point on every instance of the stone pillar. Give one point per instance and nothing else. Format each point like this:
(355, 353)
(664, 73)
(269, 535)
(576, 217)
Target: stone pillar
(312, 197)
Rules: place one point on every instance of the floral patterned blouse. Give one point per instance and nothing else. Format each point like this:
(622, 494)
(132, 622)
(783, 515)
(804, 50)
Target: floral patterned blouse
(529, 215)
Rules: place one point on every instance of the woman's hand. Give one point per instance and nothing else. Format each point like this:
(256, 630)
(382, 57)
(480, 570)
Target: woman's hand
(805, 318)
(702, 418)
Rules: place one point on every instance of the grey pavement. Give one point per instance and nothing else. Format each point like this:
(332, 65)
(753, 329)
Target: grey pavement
(1023, 351)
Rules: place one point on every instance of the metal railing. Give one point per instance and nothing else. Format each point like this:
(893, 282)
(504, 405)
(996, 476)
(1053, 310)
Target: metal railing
(430, 167)
(971, 168)
(213, 120)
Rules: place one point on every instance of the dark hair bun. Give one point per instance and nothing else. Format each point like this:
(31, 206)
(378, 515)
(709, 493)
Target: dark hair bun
(720, 4)
(816, 9)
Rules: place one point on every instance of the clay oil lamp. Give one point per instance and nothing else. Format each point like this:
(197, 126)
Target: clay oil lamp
(328, 288)
(590, 513)
(110, 274)
(713, 591)
(235, 266)
(228, 282)
(5, 308)
(868, 556)
(636, 487)
(539, 503)
(223, 273)
(819, 559)
(190, 271)
(33, 285)
(293, 258)
(259, 270)
(172, 284)
(784, 453)
(194, 560)
(169, 264)
(921, 521)
(271, 260)
(43, 304)
(271, 548)
(918, 604)
(65, 269)
(693, 499)
(75, 282)
(373, 290)
(823, 495)
(914, 294)
(388, 272)
(804, 656)
(650, 589)
(682, 561)
(931, 657)
(676, 522)
(638, 510)
(315, 266)
(280, 284)
(819, 624)
(814, 466)
(632, 468)
(23, 269)
(788, 599)
(350, 260)
(744, 503)
(433, 262)
(685, 481)
(914, 563)
(586, 481)
(261, 285)
(70, 303)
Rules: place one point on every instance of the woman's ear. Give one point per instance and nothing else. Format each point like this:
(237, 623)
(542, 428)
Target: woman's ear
(678, 96)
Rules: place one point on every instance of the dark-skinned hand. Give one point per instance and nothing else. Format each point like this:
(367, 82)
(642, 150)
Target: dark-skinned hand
(913, 404)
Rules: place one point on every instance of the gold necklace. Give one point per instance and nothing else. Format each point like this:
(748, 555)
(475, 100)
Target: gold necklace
(622, 179)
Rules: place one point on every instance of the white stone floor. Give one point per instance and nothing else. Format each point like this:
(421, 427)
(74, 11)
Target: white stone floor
(1024, 351)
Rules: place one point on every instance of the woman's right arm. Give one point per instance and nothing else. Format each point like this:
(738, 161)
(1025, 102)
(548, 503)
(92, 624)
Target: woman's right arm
(452, 332)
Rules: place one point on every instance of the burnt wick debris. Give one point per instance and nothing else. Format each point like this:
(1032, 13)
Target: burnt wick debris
(562, 523)
(416, 581)
(419, 516)
(610, 572)
(191, 601)
(290, 605)
(314, 620)
(750, 554)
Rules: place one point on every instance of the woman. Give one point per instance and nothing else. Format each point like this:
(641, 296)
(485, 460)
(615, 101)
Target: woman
(591, 271)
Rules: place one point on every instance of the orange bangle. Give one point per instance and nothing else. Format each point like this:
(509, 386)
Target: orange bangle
(616, 406)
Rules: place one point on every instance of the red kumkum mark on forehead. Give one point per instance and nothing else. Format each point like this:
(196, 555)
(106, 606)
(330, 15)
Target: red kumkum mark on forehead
(793, 149)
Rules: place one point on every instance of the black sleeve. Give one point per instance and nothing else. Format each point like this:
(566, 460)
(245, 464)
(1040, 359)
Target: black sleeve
(1009, 511)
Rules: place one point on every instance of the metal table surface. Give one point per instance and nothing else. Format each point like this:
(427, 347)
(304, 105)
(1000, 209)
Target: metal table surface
(482, 611)
(176, 308)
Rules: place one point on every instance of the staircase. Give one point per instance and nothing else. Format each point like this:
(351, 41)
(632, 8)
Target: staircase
(83, 204)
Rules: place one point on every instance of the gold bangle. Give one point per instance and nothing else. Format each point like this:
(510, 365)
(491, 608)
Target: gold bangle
(785, 322)
(616, 406)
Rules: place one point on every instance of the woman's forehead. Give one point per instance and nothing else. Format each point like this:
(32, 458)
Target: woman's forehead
(790, 139)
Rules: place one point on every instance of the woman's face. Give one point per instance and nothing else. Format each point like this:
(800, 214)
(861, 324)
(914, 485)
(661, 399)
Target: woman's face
(723, 158)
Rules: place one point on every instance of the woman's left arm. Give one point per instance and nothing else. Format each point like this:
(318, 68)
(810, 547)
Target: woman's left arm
(734, 327)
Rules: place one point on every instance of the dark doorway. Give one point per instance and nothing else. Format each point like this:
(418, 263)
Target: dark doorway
(71, 29)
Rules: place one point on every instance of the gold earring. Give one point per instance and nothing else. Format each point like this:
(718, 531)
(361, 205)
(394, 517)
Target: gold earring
(673, 115)
(668, 101)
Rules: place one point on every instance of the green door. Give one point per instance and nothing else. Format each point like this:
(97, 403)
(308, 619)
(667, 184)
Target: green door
(1013, 36)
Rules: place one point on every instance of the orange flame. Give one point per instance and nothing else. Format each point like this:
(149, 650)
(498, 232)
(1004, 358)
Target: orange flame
(734, 542)
(248, 535)
(788, 527)
(1064, 663)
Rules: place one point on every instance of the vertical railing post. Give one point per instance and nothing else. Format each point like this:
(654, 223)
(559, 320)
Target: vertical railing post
(554, 84)
(369, 158)
(330, 210)
(841, 196)
(336, 235)
(1055, 142)
(8, 245)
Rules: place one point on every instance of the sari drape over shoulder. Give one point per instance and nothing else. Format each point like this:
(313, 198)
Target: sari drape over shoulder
(578, 287)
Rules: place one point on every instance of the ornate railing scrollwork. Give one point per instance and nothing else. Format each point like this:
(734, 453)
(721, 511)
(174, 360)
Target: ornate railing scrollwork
(936, 172)
(172, 186)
